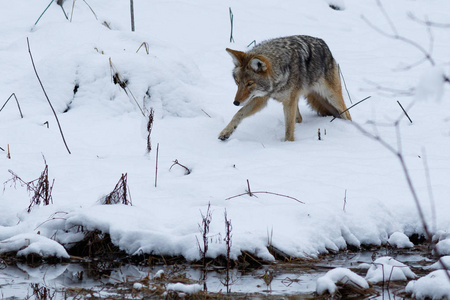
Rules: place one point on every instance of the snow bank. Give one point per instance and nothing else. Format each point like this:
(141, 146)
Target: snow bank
(385, 269)
(435, 285)
(327, 283)
(29, 243)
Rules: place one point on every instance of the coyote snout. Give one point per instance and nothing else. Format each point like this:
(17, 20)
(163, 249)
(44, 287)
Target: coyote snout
(285, 69)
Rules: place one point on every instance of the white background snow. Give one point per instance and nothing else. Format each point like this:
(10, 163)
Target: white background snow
(354, 190)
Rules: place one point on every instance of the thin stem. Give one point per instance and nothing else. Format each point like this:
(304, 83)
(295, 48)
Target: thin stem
(45, 93)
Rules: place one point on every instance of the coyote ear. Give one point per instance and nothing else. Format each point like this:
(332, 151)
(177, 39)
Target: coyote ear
(238, 56)
(259, 64)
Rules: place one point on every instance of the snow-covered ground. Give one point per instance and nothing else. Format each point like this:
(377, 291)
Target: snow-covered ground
(354, 190)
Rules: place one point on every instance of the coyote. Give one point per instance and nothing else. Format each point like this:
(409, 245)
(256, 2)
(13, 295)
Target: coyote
(285, 69)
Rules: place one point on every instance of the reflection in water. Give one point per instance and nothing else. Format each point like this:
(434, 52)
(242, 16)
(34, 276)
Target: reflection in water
(109, 279)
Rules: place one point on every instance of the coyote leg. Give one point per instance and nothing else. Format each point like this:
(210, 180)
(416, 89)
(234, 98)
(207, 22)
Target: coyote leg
(291, 114)
(253, 106)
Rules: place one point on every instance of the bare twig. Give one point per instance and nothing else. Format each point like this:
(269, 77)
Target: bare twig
(156, 167)
(146, 47)
(132, 15)
(345, 85)
(427, 22)
(396, 36)
(251, 194)
(43, 12)
(252, 43)
(149, 129)
(93, 12)
(45, 93)
(17, 101)
(117, 79)
(345, 200)
(389, 91)
(399, 155)
(187, 170)
(248, 190)
(406, 114)
(351, 107)
(231, 21)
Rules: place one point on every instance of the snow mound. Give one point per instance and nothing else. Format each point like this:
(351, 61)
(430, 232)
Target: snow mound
(385, 269)
(443, 247)
(327, 283)
(400, 240)
(437, 265)
(184, 288)
(30, 243)
(433, 286)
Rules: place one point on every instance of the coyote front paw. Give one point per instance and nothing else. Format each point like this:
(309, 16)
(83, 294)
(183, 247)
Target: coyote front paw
(225, 134)
(223, 137)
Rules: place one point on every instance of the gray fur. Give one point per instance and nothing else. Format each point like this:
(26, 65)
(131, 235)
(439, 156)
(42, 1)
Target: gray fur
(285, 69)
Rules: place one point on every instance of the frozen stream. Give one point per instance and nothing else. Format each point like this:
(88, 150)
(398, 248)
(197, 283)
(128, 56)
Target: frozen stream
(127, 281)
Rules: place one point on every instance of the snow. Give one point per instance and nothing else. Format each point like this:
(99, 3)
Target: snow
(184, 288)
(327, 283)
(400, 240)
(435, 285)
(354, 190)
(443, 247)
(386, 269)
(29, 243)
(437, 265)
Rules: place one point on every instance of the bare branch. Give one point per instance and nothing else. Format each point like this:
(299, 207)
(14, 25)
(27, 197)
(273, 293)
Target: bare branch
(252, 194)
(396, 36)
(17, 101)
(427, 22)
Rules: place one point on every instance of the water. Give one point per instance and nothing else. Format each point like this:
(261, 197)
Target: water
(78, 280)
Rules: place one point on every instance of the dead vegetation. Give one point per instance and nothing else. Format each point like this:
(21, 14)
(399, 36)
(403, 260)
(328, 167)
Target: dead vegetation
(120, 194)
(40, 188)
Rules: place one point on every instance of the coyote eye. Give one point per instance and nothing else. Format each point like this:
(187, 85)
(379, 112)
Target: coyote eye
(250, 83)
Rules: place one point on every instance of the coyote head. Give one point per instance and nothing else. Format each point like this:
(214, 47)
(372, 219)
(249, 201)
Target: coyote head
(252, 76)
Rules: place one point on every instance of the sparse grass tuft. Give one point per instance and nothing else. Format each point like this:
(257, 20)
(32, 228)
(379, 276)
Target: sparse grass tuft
(40, 188)
(120, 194)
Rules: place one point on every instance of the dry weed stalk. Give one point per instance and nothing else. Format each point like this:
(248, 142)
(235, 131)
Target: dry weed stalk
(146, 47)
(48, 100)
(228, 227)
(251, 194)
(156, 165)
(187, 171)
(17, 102)
(120, 194)
(149, 129)
(204, 230)
(40, 188)
(117, 78)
